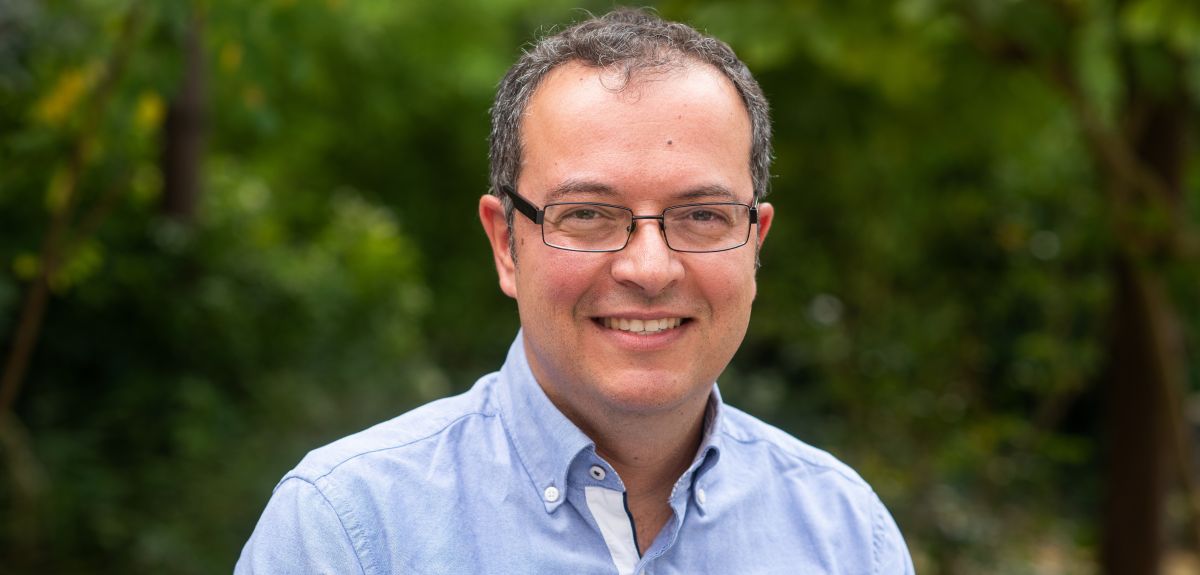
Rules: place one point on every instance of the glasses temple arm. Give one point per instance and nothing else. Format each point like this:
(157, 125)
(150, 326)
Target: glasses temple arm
(523, 205)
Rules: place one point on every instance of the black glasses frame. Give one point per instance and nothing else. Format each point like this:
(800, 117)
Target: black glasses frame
(537, 215)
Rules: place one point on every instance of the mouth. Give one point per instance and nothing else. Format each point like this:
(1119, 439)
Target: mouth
(641, 326)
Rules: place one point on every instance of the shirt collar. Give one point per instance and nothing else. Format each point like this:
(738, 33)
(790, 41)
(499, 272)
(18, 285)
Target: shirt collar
(547, 442)
(710, 450)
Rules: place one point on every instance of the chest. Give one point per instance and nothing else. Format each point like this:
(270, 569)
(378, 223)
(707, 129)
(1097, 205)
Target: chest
(500, 528)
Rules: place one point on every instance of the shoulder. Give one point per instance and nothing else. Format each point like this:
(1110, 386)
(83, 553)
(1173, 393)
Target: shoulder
(752, 437)
(811, 491)
(337, 509)
(405, 436)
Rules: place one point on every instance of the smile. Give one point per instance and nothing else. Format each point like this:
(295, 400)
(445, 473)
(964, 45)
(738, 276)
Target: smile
(641, 326)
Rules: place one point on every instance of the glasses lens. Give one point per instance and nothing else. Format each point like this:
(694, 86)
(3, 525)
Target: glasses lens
(587, 227)
(707, 227)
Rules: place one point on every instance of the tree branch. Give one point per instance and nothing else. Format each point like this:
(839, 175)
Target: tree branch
(1135, 185)
(34, 308)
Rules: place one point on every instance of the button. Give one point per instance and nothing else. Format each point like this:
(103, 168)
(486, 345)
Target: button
(597, 473)
(700, 497)
(551, 494)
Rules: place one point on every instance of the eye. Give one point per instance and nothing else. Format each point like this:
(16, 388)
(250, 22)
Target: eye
(705, 215)
(582, 214)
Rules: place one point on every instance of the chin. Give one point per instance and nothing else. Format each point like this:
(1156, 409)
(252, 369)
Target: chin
(650, 392)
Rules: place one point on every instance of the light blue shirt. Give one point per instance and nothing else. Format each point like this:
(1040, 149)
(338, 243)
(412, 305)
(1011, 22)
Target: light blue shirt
(497, 480)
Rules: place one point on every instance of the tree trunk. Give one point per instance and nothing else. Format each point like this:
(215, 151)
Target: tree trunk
(183, 130)
(1136, 458)
(1146, 439)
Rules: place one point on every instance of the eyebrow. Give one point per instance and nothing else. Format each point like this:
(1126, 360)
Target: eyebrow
(709, 192)
(569, 188)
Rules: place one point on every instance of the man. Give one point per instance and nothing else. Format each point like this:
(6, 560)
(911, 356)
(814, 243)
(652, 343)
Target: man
(629, 158)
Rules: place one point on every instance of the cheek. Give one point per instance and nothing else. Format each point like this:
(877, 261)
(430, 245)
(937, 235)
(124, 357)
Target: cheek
(556, 279)
(730, 287)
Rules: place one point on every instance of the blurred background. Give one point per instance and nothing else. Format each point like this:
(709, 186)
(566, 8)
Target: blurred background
(233, 231)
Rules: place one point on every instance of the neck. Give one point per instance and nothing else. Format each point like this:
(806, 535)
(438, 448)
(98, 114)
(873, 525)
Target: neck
(650, 454)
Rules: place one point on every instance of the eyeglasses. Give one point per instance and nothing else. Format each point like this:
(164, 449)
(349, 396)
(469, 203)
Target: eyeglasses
(594, 227)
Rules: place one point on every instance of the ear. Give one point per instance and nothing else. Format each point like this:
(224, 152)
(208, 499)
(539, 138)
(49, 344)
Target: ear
(491, 215)
(766, 214)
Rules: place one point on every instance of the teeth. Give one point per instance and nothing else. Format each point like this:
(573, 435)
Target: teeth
(642, 325)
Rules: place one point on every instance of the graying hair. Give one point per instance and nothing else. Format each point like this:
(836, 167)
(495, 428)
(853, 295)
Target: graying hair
(628, 40)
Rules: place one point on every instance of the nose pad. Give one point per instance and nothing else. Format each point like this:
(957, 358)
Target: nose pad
(662, 228)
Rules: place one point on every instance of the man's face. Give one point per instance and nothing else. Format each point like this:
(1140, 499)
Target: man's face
(666, 138)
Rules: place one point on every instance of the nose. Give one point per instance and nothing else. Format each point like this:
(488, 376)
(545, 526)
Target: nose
(646, 263)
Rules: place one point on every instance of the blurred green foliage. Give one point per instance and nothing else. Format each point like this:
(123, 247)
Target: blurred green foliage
(932, 306)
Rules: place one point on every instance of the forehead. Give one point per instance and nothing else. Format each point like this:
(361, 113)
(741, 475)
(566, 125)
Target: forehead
(670, 128)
